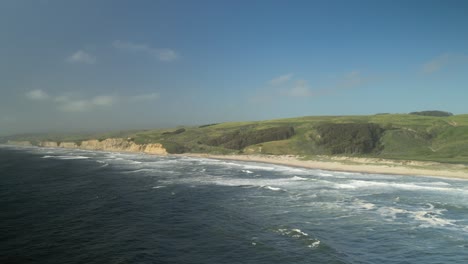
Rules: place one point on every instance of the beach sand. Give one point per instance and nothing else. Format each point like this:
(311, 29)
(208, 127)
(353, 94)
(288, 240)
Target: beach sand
(351, 164)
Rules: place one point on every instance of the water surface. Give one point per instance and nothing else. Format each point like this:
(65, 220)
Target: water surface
(75, 206)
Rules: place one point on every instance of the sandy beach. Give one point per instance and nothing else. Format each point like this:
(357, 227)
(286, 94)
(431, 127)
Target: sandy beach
(351, 164)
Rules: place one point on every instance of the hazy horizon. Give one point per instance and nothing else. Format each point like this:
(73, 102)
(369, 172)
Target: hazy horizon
(117, 65)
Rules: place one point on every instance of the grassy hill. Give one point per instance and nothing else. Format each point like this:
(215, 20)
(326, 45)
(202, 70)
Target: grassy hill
(392, 136)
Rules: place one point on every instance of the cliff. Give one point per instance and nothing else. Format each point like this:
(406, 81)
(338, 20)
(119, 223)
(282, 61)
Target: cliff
(19, 143)
(119, 144)
(110, 144)
(48, 144)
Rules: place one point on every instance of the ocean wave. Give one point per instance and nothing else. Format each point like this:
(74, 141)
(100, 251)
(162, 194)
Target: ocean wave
(432, 217)
(361, 204)
(426, 217)
(300, 235)
(272, 188)
(140, 170)
(297, 178)
(64, 157)
(359, 184)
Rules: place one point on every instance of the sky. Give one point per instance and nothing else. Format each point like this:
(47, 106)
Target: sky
(97, 65)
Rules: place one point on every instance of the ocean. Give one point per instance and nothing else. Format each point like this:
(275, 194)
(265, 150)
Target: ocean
(75, 206)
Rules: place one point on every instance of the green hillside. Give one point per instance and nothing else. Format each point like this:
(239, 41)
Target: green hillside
(392, 136)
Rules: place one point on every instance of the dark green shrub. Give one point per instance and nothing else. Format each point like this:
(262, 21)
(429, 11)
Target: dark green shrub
(432, 113)
(349, 138)
(207, 125)
(173, 147)
(175, 132)
(239, 140)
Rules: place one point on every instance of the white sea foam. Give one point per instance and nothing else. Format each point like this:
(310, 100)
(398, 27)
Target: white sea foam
(272, 188)
(140, 170)
(247, 171)
(360, 204)
(297, 178)
(65, 157)
(259, 182)
(436, 183)
(427, 217)
(432, 217)
(300, 235)
(325, 174)
(159, 187)
(296, 233)
(359, 184)
(391, 212)
(314, 244)
(348, 173)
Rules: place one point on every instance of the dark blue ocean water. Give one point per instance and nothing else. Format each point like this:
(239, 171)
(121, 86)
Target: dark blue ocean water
(72, 206)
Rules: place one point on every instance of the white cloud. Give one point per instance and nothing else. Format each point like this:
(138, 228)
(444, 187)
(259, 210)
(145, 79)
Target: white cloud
(68, 103)
(144, 97)
(62, 98)
(300, 89)
(37, 94)
(444, 60)
(436, 64)
(103, 100)
(75, 106)
(166, 54)
(81, 57)
(163, 54)
(281, 79)
(350, 79)
(81, 105)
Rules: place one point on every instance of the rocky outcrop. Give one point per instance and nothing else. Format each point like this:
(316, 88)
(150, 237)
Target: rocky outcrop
(68, 145)
(155, 148)
(19, 143)
(111, 144)
(48, 144)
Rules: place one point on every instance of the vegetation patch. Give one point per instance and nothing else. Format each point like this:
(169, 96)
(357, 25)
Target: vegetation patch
(207, 125)
(432, 113)
(349, 138)
(241, 139)
(175, 132)
(173, 147)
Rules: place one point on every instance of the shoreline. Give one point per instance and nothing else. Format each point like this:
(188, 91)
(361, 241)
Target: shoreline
(330, 163)
(359, 165)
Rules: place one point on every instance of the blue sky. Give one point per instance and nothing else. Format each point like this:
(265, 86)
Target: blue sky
(100, 65)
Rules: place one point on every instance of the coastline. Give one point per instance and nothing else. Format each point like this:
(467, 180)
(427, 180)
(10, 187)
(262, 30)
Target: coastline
(330, 163)
(347, 164)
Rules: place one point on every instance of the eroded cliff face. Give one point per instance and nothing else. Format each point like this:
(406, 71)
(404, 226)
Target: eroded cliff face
(111, 144)
(48, 144)
(19, 143)
(68, 145)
